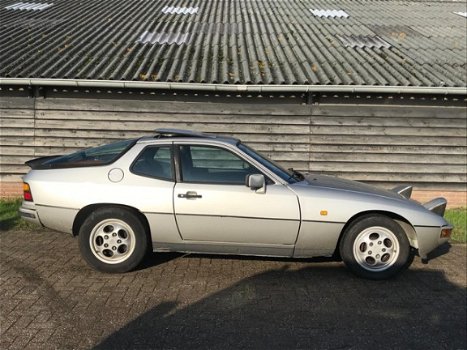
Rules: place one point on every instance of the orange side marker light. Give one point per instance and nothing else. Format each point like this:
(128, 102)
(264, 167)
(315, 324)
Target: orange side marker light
(446, 232)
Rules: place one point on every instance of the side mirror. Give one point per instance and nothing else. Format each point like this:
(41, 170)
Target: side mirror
(256, 182)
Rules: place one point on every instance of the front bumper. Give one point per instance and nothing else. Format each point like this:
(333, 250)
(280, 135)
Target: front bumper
(429, 238)
(30, 215)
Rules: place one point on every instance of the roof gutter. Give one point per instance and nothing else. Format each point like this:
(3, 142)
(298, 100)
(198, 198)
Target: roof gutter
(232, 88)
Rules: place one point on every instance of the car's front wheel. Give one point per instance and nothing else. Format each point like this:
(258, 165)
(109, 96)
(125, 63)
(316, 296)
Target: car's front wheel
(375, 247)
(113, 240)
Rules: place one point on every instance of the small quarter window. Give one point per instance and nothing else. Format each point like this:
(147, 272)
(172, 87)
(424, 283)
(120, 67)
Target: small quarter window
(154, 161)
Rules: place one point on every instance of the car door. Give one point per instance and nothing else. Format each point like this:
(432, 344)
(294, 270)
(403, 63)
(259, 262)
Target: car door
(213, 204)
(150, 187)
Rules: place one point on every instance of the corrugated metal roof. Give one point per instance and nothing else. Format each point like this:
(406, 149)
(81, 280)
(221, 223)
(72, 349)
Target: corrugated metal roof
(329, 13)
(238, 42)
(363, 41)
(164, 38)
(28, 6)
(180, 10)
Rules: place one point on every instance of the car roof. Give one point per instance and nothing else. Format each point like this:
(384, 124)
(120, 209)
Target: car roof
(168, 133)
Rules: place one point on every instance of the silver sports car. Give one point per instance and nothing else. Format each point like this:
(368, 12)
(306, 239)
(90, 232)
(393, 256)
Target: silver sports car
(192, 192)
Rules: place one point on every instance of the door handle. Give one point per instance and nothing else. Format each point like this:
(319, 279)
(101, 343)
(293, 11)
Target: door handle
(190, 195)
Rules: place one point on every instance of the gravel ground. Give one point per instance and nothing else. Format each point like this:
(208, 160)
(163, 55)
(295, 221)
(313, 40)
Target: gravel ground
(50, 299)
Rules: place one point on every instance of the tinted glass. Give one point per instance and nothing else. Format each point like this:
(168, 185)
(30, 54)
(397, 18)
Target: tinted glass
(100, 155)
(154, 162)
(213, 165)
(276, 169)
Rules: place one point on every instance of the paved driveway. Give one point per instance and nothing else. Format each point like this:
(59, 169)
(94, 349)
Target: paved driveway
(50, 299)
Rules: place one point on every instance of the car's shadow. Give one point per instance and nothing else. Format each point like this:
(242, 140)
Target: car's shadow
(440, 251)
(155, 259)
(318, 306)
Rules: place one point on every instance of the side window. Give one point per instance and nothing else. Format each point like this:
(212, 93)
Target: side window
(204, 164)
(154, 161)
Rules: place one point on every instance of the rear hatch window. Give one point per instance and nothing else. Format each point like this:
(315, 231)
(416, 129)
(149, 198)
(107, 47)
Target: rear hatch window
(95, 156)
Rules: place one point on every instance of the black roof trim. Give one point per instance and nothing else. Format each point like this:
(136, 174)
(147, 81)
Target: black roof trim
(181, 132)
(168, 132)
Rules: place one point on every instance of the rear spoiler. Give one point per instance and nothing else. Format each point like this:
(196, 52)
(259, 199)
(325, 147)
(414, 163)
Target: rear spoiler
(38, 162)
(404, 190)
(437, 205)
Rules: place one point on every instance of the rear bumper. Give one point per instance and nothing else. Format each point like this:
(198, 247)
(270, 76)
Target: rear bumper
(30, 215)
(429, 238)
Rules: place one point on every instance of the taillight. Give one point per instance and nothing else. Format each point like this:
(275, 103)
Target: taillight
(27, 192)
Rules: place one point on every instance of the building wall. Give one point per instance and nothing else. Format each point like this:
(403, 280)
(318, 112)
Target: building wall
(380, 143)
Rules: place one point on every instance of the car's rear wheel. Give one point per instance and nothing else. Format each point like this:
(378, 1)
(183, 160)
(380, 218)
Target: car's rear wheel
(375, 247)
(113, 240)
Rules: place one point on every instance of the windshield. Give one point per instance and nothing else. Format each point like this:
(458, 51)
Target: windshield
(285, 175)
(100, 155)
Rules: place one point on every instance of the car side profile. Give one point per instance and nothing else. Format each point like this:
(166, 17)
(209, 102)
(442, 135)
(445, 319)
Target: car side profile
(193, 192)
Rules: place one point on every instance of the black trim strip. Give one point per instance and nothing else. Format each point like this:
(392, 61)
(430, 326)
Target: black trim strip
(230, 216)
(157, 213)
(239, 217)
(27, 215)
(53, 206)
(176, 162)
(426, 226)
(262, 218)
(325, 222)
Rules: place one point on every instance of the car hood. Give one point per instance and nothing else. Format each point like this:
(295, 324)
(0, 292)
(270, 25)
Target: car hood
(335, 183)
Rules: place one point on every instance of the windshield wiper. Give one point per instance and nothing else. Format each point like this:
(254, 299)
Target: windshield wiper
(296, 175)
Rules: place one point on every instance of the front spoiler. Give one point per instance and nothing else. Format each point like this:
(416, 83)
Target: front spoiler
(429, 238)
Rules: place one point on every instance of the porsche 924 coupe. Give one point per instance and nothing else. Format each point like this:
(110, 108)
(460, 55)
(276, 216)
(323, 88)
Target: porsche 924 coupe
(185, 191)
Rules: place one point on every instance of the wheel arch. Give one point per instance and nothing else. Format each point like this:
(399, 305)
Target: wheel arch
(87, 210)
(402, 221)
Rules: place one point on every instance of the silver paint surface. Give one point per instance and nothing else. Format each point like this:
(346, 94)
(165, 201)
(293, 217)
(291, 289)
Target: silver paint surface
(303, 219)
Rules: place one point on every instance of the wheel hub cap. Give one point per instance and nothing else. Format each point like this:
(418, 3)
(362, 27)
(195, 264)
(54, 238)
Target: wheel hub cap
(376, 248)
(112, 241)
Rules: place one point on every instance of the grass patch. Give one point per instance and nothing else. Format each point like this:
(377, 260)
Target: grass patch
(10, 219)
(458, 218)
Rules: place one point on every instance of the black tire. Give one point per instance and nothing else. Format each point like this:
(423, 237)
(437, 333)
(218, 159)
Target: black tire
(375, 247)
(118, 229)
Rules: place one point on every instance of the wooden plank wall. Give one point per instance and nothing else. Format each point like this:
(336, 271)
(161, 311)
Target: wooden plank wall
(381, 144)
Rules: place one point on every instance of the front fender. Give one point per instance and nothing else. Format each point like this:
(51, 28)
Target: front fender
(336, 208)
